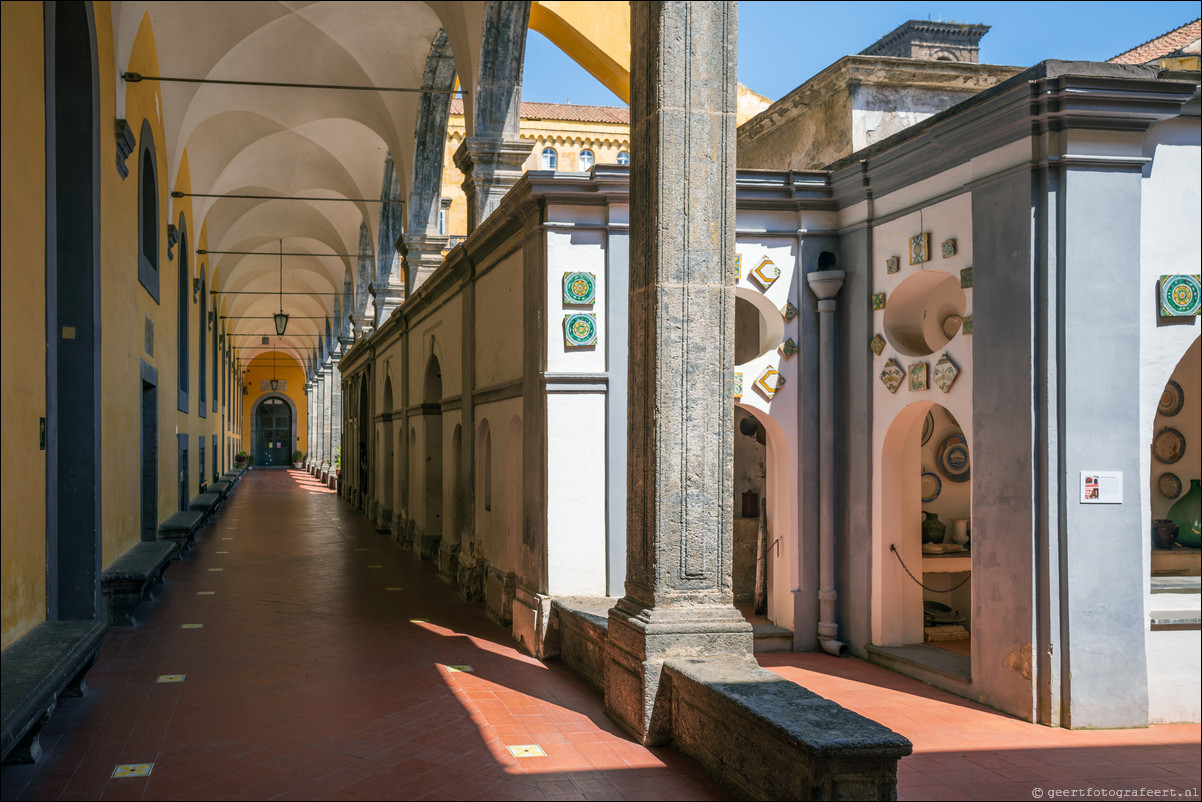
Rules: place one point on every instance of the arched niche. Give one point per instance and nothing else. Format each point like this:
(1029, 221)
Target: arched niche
(257, 435)
(759, 326)
(905, 457)
(1180, 408)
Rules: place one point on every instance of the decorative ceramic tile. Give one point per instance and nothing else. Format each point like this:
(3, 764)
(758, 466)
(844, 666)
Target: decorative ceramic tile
(132, 770)
(579, 288)
(789, 311)
(893, 375)
(769, 382)
(918, 377)
(966, 278)
(738, 388)
(462, 669)
(766, 273)
(788, 347)
(893, 264)
(579, 329)
(163, 678)
(1180, 295)
(945, 373)
(877, 344)
(920, 248)
(526, 750)
(966, 325)
(738, 267)
(878, 301)
(205, 592)
(192, 626)
(948, 248)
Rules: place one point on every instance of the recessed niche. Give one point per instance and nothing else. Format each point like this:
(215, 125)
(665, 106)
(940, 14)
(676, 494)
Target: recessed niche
(925, 312)
(759, 327)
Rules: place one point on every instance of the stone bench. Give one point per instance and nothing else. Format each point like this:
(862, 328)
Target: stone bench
(206, 503)
(772, 739)
(48, 662)
(131, 579)
(221, 487)
(181, 527)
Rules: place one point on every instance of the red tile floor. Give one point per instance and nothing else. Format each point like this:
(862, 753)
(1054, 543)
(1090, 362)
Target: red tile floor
(324, 668)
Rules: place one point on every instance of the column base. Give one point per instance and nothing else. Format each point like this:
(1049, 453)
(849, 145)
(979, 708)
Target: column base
(639, 641)
(531, 621)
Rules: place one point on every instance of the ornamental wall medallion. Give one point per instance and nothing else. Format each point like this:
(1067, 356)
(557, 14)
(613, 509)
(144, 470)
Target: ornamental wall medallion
(892, 375)
(738, 267)
(966, 278)
(579, 329)
(788, 347)
(893, 264)
(920, 248)
(918, 377)
(877, 344)
(766, 273)
(945, 373)
(738, 385)
(769, 382)
(948, 248)
(789, 311)
(966, 325)
(579, 288)
(1180, 295)
(878, 301)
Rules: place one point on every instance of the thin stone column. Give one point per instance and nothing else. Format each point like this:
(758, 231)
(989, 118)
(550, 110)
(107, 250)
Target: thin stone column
(311, 421)
(327, 417)
(335, 403)
(678, 601)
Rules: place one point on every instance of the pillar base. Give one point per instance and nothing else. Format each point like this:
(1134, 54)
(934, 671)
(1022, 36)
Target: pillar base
(490, 168)
(639, 641)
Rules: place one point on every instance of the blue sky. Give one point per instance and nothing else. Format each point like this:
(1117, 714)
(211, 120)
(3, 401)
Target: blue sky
(781, 44)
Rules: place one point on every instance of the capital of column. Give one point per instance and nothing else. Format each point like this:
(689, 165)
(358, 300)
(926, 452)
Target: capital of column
(825, 284)
(423, 255)
(490, 168)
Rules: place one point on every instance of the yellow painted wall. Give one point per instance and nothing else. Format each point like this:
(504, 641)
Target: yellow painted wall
(22, 320)
(288, 369)
(568, 137)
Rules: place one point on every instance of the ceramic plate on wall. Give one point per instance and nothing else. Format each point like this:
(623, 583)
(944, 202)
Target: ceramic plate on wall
(1169, 485)
(953, 459)
(1169, 446)
(931, 487)
(1172, 400)
(928, 429)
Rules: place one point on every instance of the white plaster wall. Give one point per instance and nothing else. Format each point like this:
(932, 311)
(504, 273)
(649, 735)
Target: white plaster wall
(1170, 242)
(576, 520)
(896, 509)
(780, 414)
(570, 251)
(498, 324)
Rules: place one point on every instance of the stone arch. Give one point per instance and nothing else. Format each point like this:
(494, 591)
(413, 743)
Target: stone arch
(433, 469)
(596, 40)
(1179, 409)
(148, 212)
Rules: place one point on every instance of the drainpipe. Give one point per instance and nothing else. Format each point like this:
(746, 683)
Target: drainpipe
(825, 284)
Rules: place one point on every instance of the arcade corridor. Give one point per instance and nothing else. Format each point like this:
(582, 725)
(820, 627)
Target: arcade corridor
(321, 669)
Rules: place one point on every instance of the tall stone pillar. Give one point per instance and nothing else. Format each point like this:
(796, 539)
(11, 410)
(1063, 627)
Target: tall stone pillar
(318, 406)
(310, 419)
(327, 416)
(678, 600)
(336, 401)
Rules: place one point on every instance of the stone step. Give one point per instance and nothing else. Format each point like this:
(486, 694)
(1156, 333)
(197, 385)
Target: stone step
(930, 664)
(771, 638)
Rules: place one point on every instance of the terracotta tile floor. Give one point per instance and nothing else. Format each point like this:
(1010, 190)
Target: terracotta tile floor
(964, 750)
(308, 680)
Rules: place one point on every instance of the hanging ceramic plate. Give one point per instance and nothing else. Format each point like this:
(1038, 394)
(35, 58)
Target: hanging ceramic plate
(928, 429)
(953, 459)
(1169, 484)
(931, 486)
(1171, 400)
(1169, 446)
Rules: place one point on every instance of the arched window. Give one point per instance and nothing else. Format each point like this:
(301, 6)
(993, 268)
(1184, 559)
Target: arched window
(550, 158)
(623, 157)
(586, 159)
(184, 290)
(148, 214)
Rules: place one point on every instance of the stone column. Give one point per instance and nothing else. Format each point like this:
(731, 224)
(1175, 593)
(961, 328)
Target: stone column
(678, 600)
(311, 420)
(423, 255)
(318, 406)
(327, 418)
(335, 404)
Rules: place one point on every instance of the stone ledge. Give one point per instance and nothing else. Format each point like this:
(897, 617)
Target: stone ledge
(579, 629)
(47, 662)
(131, 579)
(770, 738)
